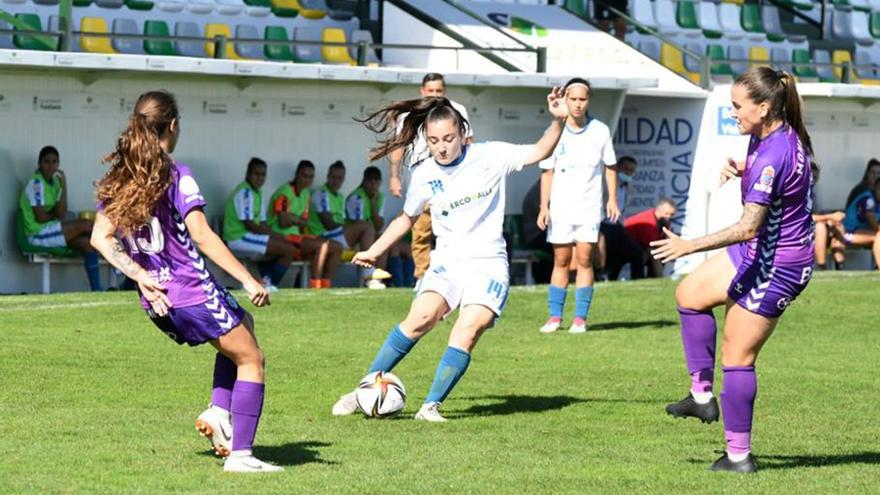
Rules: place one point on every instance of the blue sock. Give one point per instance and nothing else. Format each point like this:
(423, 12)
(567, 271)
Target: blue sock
(276, 273)
(395, 268)
(409, 272)
(90, 260)
(582, 298)
(556, 300)
(395, 348)
(450, 370)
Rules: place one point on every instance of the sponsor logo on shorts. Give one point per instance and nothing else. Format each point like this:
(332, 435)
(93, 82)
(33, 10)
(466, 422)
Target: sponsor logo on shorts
(783, 303)
(765, 182)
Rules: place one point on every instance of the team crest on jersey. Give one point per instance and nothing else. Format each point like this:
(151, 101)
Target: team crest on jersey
(765, 183)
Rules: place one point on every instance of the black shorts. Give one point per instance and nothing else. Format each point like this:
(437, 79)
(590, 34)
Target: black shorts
(602, 13)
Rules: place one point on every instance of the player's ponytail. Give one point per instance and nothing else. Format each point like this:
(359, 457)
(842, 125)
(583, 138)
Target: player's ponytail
(778, 88)
(418, 113)
(140, 170)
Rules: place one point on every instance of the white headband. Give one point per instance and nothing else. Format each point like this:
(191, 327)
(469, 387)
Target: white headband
(574, 84)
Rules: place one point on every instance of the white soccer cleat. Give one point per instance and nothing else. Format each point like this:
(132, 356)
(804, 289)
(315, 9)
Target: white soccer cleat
(551, 326)
(375, 284)
(578, 327)
(346, 405)
(430, 412)
(215, 424)
(248, 464)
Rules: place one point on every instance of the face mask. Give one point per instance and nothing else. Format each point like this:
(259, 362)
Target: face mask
(624, 177)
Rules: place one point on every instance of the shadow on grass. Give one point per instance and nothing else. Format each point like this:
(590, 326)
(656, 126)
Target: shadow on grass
(629, 325)
(288, 454)
(800, 461)
(515, 404)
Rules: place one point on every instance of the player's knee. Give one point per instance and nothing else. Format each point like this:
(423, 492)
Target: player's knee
(562, 261)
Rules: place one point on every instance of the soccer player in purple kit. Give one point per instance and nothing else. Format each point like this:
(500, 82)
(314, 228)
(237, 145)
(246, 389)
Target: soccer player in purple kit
(767, 263)
(150, 226)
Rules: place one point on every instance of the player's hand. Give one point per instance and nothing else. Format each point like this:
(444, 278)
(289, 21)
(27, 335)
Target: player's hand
(556, 103)
(671, 248)
(257, 294)
(154, 293)
(838, 216)
(395, 187)
(612, 211)
(731, 170)
(364, 259)
(543, 218)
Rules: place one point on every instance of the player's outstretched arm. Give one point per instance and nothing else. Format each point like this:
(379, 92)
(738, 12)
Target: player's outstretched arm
(559, 111)
(208, 242)
(396, 229)
(104, 240)
(748, 227)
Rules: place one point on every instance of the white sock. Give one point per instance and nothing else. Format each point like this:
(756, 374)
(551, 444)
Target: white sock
(241, 453)
(701, 397)
(737, 457)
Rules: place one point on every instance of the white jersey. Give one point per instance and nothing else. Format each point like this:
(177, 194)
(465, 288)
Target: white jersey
(418, 149)
(576, 193)
(467, 198)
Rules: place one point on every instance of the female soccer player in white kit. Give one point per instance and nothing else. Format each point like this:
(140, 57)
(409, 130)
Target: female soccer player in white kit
(572, 185)
(464, 185)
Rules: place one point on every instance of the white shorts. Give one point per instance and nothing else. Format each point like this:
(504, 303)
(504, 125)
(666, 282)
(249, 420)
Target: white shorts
(50, 237)
(483, 282)
(562, 233)
(251, 246)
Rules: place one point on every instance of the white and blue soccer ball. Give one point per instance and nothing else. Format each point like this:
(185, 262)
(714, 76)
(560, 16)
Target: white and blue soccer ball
(381, 395)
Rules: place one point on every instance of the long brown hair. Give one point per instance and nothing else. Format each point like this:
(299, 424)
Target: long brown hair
(420, 112)
(140, 170)
(777, 87)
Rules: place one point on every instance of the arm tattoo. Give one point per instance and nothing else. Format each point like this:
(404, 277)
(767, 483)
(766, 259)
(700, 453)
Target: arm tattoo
(747, 228)
(122, 261)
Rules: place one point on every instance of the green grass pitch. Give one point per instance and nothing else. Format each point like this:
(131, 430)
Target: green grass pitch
(95, 400)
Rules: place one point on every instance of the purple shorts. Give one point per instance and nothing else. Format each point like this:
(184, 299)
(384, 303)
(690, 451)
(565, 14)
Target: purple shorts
(765, 290)
(198, 324)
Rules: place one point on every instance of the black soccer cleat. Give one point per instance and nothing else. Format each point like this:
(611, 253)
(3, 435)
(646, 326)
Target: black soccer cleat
(708, 412)
(747, 465)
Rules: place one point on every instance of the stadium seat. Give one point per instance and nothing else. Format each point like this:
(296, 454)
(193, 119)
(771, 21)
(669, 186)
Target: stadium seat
(14, 2)
(664, 13)
(139, 4)
(780, 57)
(46, 2)
(803, 72)
(258, 3)
(692, 64)
(860, 30)
(157, 47)
(277, 52)
(94, 44)
(309, 10)
(5, 38)
(772, 24)
(728, 18)
(281, 8)
(341, 10)
(643, 12)
(218, 29)
(709, 20)
(865, 68)
(335, 54)
(826, 73)
(739, 59)
(110, 4)
(170, 6)
(126, 45)
(82, 3)
(577, 7)
(861, 5)
(875, 5)
(841, 24)
(188, 48)
(686, 17)
(719, 68)
(735, 2)
(230, 7)
(758, 55)
(248, 50)
(651, 49)
(201, 7)
(307, 53)
(672, 58)
(750, 18)
(798, 4)
(33, 42)
(359, 35)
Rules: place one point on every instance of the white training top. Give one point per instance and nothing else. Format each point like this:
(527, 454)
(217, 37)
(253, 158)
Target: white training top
(418, 149)
(466, 198)
(576, 193)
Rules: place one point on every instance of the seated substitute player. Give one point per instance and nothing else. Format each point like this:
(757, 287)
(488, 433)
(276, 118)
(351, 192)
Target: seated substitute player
(289, 216)
(464, 185)
(862, 221)
(154, 205)
(829, 230)
(43, 208)
(248, 235)
(364, 220)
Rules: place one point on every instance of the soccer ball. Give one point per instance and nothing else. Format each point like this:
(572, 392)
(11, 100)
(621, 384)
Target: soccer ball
(381, 395)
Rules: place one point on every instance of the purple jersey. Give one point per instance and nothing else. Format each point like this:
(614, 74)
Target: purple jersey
(777, 174)
(164, 248)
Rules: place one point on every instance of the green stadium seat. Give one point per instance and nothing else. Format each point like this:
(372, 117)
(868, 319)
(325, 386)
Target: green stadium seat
(282, 8)
(578, 7)
(82, 3)
(258, 3)
(800, 56)
(277, 52)
(750, 18)
(874, 24)
(139, 4)
(686, 14)
(156, 47)
(719, 67)
(31, 42)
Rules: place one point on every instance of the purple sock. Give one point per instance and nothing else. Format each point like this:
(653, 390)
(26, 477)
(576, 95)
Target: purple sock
(737, 407)
(698, 337)
(247, 406)
(224, 378)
